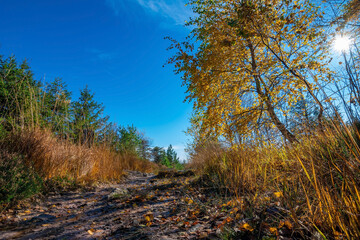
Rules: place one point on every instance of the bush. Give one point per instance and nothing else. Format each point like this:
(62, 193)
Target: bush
(17, 180)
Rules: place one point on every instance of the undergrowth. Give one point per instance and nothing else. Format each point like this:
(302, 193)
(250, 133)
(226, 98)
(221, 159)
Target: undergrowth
(35, 161)
(316, 182)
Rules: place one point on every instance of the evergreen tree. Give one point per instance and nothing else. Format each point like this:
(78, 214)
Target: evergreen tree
(88, 121)
(171, 155)
(129, 139)
(56, 110)
(19, 93)
(157, 153)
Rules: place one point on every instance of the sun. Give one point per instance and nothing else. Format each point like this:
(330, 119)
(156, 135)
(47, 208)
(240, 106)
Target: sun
(342, 43)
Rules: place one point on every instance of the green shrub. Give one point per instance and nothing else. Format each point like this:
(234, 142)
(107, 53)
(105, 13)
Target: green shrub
(17, 180)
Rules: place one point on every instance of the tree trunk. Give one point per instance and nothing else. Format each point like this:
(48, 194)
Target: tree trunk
(266, 98)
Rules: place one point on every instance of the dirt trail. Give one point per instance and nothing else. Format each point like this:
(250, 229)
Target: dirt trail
(143, 207)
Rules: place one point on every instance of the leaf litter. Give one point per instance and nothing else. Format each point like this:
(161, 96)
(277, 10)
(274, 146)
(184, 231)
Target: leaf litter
(144, 206)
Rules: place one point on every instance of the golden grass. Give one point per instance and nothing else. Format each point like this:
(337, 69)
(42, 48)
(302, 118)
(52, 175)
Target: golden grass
(52, 157)
(319, 178)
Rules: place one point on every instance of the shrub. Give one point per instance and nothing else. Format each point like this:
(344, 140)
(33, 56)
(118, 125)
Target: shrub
(17, 180)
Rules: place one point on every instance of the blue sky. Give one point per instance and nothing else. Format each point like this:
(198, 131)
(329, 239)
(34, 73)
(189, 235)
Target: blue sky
(117, 47)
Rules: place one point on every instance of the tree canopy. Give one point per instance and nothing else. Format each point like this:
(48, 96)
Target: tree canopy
(249, 62)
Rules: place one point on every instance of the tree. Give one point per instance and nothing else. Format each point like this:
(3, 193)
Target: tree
(172, 155)
(88, 121)
(167, 158)
(352, 11)
(254, 60)
(129, 139)
(19, 93)
(144, 150)
(157, 153)
(56, 110)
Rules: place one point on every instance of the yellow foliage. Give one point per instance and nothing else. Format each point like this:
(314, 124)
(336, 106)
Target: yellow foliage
(253, 57)
(278, 194)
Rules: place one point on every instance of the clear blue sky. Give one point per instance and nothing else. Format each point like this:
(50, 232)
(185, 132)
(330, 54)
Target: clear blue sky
(117, 47)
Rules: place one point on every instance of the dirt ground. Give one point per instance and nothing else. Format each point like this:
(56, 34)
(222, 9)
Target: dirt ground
(144, 206)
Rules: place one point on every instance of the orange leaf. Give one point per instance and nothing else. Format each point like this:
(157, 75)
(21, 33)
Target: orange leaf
(246, 227)
(288, 224)
(278, 194)
(273, 230)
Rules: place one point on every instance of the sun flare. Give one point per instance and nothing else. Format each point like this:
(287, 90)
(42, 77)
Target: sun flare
(342, 43)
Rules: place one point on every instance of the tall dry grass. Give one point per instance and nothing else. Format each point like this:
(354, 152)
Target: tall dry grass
(319, 179)
(52, 157)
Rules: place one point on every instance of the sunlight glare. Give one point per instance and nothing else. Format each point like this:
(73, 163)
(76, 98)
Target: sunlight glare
(342, 43)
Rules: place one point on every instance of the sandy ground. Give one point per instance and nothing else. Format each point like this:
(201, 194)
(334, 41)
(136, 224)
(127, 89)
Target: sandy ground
(142, 207)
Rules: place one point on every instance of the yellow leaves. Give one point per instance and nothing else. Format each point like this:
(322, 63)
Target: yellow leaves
(221, 79)
(91, 231)
(246, 227)
(149, 217)
(278, 194)
(189, 200)
(235, 210)
(273, 230)
(286, 223)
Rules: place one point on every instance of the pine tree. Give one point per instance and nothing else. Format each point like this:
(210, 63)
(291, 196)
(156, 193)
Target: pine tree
(172, 156)
(88, 121)
(19, 94)
(129, 139)
(157, 153)
(56, 111)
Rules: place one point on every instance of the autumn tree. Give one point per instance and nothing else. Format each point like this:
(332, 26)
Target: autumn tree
(249, 60)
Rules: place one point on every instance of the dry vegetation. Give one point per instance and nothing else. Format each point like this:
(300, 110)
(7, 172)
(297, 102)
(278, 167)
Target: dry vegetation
(316, 182)
(49, 160)
(58, 158)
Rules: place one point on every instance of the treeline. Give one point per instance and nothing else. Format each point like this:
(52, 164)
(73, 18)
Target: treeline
(26, 103)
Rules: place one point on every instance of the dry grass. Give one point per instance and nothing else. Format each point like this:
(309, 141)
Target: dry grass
(319, 178)
(52, 157)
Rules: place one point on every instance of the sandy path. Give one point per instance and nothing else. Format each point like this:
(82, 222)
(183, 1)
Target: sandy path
(143, 207)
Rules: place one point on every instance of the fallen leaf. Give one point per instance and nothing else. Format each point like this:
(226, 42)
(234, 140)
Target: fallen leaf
(246, 227)
(278, 194)
(149, 216)
(203, 235)
(288, 224)
(273, 230)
